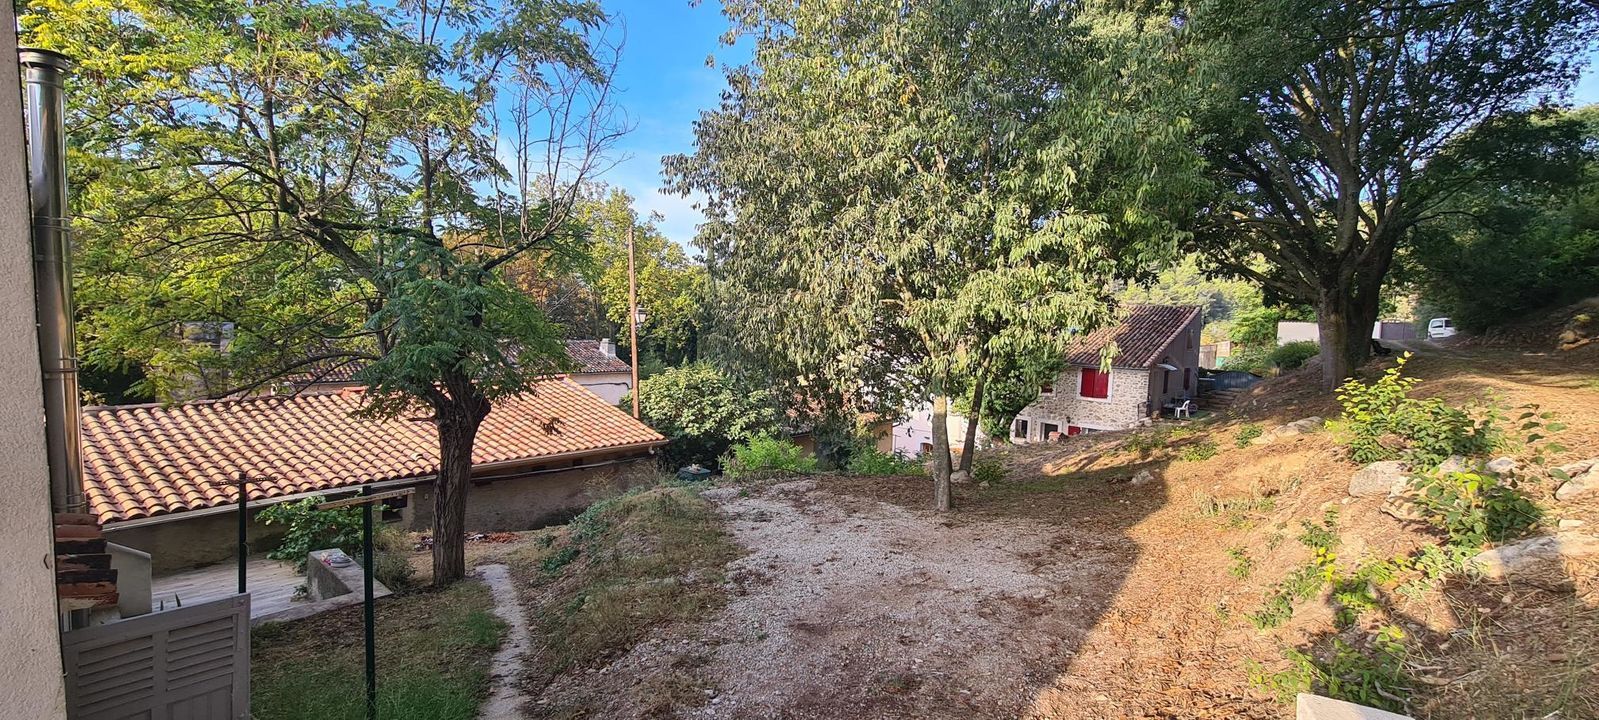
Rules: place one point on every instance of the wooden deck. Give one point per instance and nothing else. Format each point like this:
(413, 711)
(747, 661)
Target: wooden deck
(271, 585)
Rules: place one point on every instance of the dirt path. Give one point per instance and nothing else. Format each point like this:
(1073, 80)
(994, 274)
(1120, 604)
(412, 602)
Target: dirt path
(507, 696)
(853, 606)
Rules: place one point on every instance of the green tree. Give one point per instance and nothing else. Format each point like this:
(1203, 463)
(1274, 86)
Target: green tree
(329, 179)
(1321, 115)
(703, 412)
(900, 192)
(1519, 230)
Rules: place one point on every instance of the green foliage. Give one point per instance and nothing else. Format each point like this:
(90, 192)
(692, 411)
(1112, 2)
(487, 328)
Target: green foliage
(1257, 328)
(702, 412)
(870, 461)
(1248, 433)
(1519, 234)
(1306, 581)
(1292, 356)
(1382, 422)
(1283, 214)
(765, 456)
(1374, 678)
(1473, 508)
(308, 528)
(1242, 563)
(1198, 451)
(1237, 510)
(988, 470)
(884, 180)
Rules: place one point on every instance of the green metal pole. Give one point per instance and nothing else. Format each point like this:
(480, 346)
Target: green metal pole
(371, 633)
(244, 548)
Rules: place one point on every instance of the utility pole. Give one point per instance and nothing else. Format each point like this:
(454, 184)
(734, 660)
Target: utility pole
(632, 314)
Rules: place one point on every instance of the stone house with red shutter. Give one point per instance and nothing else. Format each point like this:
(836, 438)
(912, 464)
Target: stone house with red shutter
(1156, 366)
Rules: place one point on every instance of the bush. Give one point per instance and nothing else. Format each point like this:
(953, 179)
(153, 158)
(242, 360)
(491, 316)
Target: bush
(1247, 434)
(765, 456)
(702, 412)
(1293, 355)
(312, 529)
(987, 470)
(1382, 422)
(870, 461)
(1473, 508)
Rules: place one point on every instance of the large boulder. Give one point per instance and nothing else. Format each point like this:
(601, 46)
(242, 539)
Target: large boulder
(1503, 466)
(1579, 467)
(1544, 561)
(1385, 478)
(1580, 486)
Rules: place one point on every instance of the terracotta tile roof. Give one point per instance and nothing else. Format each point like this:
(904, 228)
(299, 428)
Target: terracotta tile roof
(1144, 333)
(586, 357)
(145, 460)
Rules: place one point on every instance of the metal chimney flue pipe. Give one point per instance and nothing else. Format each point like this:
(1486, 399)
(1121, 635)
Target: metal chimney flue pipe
(43, 75)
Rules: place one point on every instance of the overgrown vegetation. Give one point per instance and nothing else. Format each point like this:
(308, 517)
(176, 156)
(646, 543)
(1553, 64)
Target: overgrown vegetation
(626, 564)
(1382, 422)
(311, 529)
(703, 412)
(1472, 508)
(1374, 677)
(1198, 451)
(766, 456)
(987, 470)
(870, 461)
(1247, 434)
(433, 656)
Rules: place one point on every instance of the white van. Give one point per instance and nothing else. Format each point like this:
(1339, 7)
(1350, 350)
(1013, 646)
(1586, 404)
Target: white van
(1440, 328)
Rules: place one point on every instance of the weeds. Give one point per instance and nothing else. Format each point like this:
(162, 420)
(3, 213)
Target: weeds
(988, 470)
(1376, 678)
(875, 463)
(1247, 434)
(1473, 508)
(1198, 452)
(1382, 422)
(1242, 563)
(765, 456)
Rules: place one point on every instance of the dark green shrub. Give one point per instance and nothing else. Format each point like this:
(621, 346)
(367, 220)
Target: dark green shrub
(765, 456)
(311, 529)
(987, 470)
(1382, 422)
(874, 462)
(1473, 508)
(702, 412)
(1293, 355)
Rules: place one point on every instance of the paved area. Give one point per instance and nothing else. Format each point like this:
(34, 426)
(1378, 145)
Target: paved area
(271, 585)
(508, 696)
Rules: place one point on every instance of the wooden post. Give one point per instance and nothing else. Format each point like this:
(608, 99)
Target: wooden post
(632, 314)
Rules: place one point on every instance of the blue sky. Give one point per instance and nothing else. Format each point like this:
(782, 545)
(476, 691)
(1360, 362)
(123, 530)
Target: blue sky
(664, 83)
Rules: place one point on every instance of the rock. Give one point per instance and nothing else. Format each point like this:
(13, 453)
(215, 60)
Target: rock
(1571, 524)
(1298, 427)
(1316, 707)
(1503, 466)
(960, 476)
(1539, 561)
(1385, 478)
(1579, 467)
(1454, 464)
(1144, 477)
(1580, 486)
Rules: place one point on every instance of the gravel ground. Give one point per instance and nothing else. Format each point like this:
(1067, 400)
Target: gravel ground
(847, 606)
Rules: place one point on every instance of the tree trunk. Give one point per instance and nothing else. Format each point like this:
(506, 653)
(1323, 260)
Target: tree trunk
(458, 424)
(1344, 318)
(941, 462)
(969, 447)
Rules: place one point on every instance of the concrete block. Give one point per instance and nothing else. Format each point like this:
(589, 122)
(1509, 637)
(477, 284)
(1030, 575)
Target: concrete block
(1316, 707)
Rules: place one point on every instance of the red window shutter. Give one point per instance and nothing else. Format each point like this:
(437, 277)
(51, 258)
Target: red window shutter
(1095, 384)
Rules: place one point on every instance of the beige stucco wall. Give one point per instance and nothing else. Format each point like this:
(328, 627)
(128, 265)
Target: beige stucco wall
(515, 504)
(31, 661)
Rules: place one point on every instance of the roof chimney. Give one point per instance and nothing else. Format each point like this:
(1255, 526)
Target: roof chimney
(43, 74)
(608, 346)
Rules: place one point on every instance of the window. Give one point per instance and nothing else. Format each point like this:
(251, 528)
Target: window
(1095, 384)
(1021, 429)
(927, 448)
(1072, 430)
(1188, 377)
(1165, 381)
(1046, 389)
(1190, 340)
(1050, 430)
